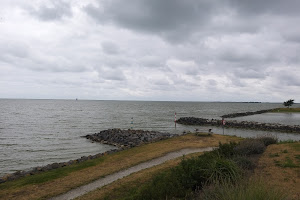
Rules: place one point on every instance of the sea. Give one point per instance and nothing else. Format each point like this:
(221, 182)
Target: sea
(39, 132)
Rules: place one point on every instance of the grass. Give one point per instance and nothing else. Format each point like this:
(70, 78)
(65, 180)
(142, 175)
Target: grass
(272, 155)
(246, 190)
(285, 110)
(256, 188)
(203, 134)
(61, 180)
(50, 175)
(282, 171)
(129, 185)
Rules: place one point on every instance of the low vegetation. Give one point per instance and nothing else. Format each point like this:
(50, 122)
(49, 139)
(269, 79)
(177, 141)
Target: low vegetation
(58, 181)
(240, 180)
(209, 175)
(246, 190)
(281, 165)
(238, 169)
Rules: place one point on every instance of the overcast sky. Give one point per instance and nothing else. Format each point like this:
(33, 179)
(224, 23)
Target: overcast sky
(182, 50)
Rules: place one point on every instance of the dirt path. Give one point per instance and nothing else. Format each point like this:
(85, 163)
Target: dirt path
(118, 175)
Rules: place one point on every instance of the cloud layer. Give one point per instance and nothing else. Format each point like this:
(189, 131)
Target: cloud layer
(220, 50)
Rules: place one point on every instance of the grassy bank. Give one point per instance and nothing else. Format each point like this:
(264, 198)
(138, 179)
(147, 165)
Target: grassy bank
(286, 110)
(61, 180)
(221, 179)
(280, 165)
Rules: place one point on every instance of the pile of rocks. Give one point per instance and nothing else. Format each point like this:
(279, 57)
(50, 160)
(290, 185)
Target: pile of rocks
(233, 115)
(240, 124)
(263, 126)
(197, 121)
(127, 138)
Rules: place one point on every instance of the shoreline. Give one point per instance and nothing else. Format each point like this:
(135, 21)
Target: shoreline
(105, 137)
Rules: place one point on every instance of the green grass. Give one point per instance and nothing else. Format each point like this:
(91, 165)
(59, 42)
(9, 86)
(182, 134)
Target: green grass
(296, 146)
(203, 134)
(246, 190)
(287, 163)
(272, 155)
(190, 174)
(284, 151)
(50, 175)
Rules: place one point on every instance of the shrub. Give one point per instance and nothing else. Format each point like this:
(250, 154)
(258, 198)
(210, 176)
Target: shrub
(244, 162)
(227, 150)
(189, 175)
(249, 147)
(268, 140)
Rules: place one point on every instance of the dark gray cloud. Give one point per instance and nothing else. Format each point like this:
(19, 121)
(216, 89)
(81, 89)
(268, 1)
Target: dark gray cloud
(53, 10)
(172, 19)
(254, 7)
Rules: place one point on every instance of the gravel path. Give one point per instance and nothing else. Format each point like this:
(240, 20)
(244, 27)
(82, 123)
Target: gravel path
(118, 175)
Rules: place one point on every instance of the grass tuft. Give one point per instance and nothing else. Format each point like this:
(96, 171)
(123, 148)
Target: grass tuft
(246, 190)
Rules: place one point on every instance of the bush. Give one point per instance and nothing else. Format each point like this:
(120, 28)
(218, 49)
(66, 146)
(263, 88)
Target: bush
(227, 150)
(249, 147)
(268, 140)
(189, 175)
(244, 162)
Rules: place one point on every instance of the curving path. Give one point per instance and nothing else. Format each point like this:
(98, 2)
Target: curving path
(118, 175)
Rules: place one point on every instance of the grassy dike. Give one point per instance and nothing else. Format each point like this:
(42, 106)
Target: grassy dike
(275, 176)
(58, 181)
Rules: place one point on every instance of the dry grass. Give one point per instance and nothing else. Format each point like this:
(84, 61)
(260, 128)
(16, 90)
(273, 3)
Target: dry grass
(110, 164)
(280, 166)
(126, 185)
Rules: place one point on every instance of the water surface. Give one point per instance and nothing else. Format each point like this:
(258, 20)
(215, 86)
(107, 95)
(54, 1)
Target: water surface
(38, 132)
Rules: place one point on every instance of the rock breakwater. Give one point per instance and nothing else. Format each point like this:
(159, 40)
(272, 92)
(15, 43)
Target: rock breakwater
(127, 138)
(240, 124)
(242, 114)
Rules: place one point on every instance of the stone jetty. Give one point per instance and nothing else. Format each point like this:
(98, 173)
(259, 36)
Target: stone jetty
(240, 124)
(242, 114)
(127, 138)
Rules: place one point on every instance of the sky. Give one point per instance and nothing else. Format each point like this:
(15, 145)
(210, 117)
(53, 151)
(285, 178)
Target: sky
(164, 50)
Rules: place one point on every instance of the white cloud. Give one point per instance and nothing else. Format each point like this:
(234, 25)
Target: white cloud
(150, 50)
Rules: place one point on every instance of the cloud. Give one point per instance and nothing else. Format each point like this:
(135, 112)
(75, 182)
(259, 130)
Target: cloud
(254, 7)
(158, 50)
(171, 19)
(52, 10)
(110, 48)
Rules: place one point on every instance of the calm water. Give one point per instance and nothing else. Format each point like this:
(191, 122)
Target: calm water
(39, 132)
(282, 118)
